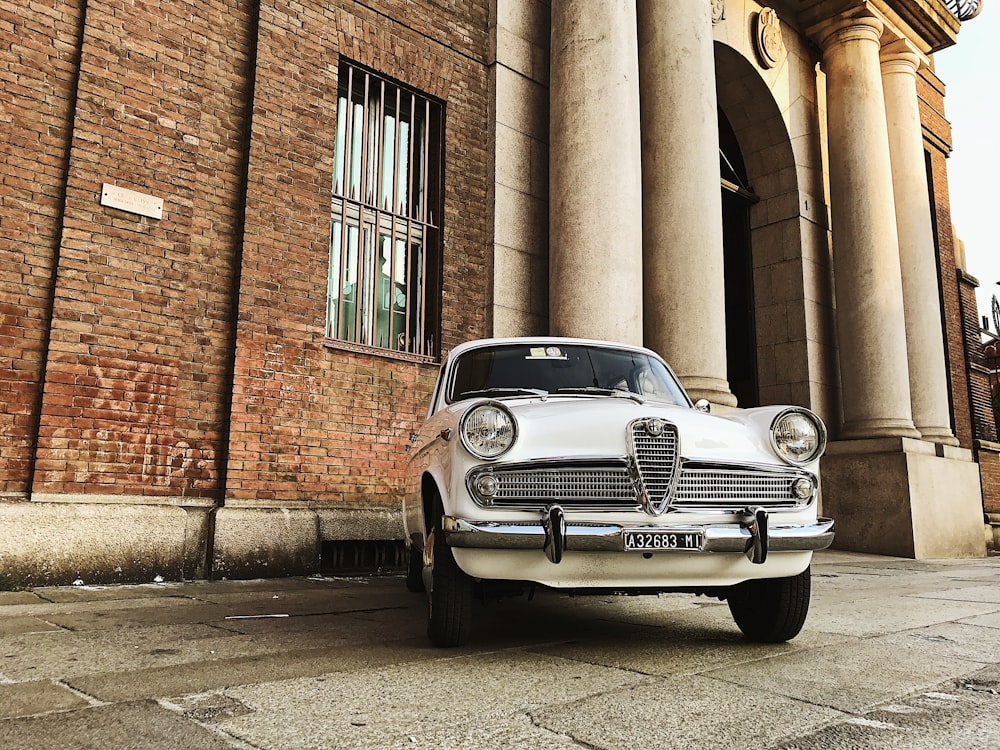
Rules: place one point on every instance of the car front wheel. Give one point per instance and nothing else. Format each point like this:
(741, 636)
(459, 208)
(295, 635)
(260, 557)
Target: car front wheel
(449, 596)
(771, 610)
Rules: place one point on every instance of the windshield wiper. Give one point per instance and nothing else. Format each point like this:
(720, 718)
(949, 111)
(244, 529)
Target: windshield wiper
(505, 392)
(613, 392)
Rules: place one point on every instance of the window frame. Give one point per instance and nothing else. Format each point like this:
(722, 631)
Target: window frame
(386, 210)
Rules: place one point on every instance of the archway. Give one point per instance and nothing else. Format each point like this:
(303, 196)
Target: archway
(778, 279)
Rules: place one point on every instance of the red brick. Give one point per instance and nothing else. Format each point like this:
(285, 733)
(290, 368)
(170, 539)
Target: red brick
(143, 315)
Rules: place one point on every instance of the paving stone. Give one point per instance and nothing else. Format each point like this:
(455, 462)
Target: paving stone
(690, 711)
(30, 698)
(330, 663)
(385, 707)
(850, 677)
(25, 625)
(125, 725)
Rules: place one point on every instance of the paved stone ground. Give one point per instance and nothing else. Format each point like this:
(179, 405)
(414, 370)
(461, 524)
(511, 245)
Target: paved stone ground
(895, 654)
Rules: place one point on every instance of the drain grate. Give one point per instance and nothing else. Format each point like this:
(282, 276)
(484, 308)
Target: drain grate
(363, 557)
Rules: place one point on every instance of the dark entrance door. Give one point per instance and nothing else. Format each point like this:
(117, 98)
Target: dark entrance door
(741, 335)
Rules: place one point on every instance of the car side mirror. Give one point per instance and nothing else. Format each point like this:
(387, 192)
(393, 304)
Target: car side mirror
(703, 405)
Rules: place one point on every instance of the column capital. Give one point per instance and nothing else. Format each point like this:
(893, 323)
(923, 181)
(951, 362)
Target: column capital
(901, 57)
(841, 30)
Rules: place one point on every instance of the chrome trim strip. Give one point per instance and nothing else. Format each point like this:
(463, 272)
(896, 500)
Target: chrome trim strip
(617, 458)
(597, 537)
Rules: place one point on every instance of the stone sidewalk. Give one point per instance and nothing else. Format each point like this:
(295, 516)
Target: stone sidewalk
(895, 653)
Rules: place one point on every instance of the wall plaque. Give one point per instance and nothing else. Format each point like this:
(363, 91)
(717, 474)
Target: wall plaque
(131, 201)
(770, 47)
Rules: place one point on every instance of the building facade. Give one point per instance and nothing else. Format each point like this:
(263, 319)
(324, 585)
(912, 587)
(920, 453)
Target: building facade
(983, 345)
(239, 236)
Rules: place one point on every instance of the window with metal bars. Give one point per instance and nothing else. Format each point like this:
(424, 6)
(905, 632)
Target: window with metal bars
(384, 289)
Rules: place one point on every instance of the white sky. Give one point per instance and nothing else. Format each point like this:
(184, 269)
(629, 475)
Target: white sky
(971, 74)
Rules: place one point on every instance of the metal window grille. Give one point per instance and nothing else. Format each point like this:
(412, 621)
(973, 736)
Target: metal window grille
(383, 288)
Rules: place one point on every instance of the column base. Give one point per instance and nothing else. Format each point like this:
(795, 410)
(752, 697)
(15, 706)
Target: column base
(903, 497)
(712, 389)
(879, 428)
(941, 435)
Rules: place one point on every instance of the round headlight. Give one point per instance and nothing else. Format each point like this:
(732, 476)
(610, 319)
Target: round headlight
(488, 430)
(798, 436)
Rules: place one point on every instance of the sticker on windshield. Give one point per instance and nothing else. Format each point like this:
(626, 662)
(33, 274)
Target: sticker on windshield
(546, 352)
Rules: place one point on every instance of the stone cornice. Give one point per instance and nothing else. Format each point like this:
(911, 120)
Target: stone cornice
(927, 24)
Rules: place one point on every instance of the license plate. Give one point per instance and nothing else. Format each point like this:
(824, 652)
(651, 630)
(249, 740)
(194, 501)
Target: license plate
(652, 541)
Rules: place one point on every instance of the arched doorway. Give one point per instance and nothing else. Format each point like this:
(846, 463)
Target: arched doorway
(779, 282)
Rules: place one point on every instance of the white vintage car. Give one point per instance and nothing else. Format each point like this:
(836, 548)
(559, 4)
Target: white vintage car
(583, 465)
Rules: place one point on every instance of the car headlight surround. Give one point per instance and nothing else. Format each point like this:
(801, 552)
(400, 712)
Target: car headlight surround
(488, 430)
(798, 436)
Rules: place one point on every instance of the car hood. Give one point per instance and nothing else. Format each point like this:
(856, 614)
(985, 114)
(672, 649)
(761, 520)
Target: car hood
(567, 427)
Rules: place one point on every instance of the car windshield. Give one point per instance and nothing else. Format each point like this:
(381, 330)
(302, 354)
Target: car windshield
(539, 368)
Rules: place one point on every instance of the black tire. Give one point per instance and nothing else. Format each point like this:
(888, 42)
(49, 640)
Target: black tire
(771, 610)
(449, 602)
(415, 570)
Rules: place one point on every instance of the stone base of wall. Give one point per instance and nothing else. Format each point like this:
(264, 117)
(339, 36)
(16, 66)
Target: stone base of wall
(258, 540)
(261, 542)
(58, 539)
(904, 497)
(991, 531)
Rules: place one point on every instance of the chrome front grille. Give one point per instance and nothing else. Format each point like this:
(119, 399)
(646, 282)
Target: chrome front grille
(656, 454)
(571, 486)
(723, 488)
(653, 469)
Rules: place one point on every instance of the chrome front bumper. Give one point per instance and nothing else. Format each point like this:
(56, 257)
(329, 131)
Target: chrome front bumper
(753, 535)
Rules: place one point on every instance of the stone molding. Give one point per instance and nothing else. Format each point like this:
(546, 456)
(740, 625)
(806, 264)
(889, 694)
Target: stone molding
(929, 26)
(87, 499)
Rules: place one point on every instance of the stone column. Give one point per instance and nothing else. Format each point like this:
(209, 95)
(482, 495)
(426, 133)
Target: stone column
(869, 290)
(595, 183)
(918, 261)
(685, 297)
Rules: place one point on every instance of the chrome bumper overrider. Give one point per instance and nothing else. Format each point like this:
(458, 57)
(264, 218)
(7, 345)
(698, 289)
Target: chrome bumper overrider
(753, 535)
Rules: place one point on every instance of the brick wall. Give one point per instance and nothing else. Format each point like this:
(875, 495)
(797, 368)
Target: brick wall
(136, 378)
(937, 143)
(989, 468)
(980, 391)
(149, 316)
(38, 61)
(970, 389)
(312, 421)
(981, 398)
